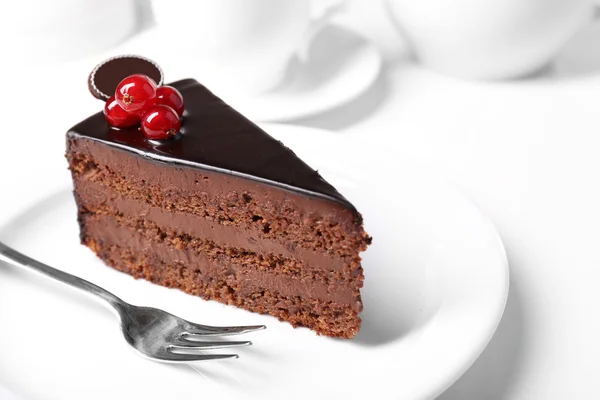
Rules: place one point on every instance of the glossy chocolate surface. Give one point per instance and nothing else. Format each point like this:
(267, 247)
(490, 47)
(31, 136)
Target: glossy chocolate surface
(216, 137)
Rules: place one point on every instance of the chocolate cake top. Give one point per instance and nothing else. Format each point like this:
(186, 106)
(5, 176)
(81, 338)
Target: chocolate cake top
(216, 137)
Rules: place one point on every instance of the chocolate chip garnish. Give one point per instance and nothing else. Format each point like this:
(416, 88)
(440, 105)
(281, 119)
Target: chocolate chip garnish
(106, 76)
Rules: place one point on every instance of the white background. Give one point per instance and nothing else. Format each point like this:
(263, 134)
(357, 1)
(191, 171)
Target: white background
(528, 152)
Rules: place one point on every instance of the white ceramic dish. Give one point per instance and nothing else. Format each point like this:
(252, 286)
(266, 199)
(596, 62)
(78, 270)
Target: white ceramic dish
(341, 66)
(435, 289)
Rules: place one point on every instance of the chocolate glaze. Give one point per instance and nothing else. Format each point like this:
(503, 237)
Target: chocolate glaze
(216, 137)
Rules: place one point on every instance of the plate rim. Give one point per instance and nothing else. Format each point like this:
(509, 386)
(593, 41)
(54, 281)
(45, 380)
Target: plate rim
(500, 305)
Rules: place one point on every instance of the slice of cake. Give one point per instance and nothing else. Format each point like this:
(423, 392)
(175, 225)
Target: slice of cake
(222, 211)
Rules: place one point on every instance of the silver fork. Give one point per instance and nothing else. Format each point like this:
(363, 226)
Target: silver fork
(154, 333)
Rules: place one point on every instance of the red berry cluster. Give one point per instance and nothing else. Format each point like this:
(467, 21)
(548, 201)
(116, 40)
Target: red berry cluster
(138, 100)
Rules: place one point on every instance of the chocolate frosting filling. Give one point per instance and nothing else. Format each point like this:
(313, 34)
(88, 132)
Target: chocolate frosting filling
(250, 279)
(93, 196)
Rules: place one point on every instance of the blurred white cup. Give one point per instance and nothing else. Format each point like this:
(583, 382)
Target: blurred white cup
(59, 30)
(247, 43)
(489, 39)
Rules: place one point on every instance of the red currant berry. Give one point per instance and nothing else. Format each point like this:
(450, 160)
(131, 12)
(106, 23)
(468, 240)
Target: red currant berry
(117, 117)
(160, 122)
(169, 96)
(136, 93)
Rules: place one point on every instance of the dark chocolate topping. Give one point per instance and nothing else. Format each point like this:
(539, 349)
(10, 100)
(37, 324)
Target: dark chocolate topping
(105, 77)
(216, 137)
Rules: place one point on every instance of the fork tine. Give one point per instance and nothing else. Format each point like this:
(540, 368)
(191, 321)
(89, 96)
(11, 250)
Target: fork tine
(191, 337)
(193, 346)
(178, 357)
(205, 330)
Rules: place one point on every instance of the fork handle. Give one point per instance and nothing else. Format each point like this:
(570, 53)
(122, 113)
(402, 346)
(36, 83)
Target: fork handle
(11, 256)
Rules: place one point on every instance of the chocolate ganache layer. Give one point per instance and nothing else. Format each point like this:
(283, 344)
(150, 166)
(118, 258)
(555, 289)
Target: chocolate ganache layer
(116, 235)
(94, 196)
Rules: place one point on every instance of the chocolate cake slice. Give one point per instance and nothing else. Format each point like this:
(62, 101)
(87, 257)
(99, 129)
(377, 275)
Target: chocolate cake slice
(224, 212)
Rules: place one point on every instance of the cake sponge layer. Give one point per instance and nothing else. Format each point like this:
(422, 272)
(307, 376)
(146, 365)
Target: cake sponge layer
(93, 197)
(279, 274)
(325, 317)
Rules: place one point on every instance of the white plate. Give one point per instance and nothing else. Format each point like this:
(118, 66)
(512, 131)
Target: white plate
(435, 289)
(341, 67)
